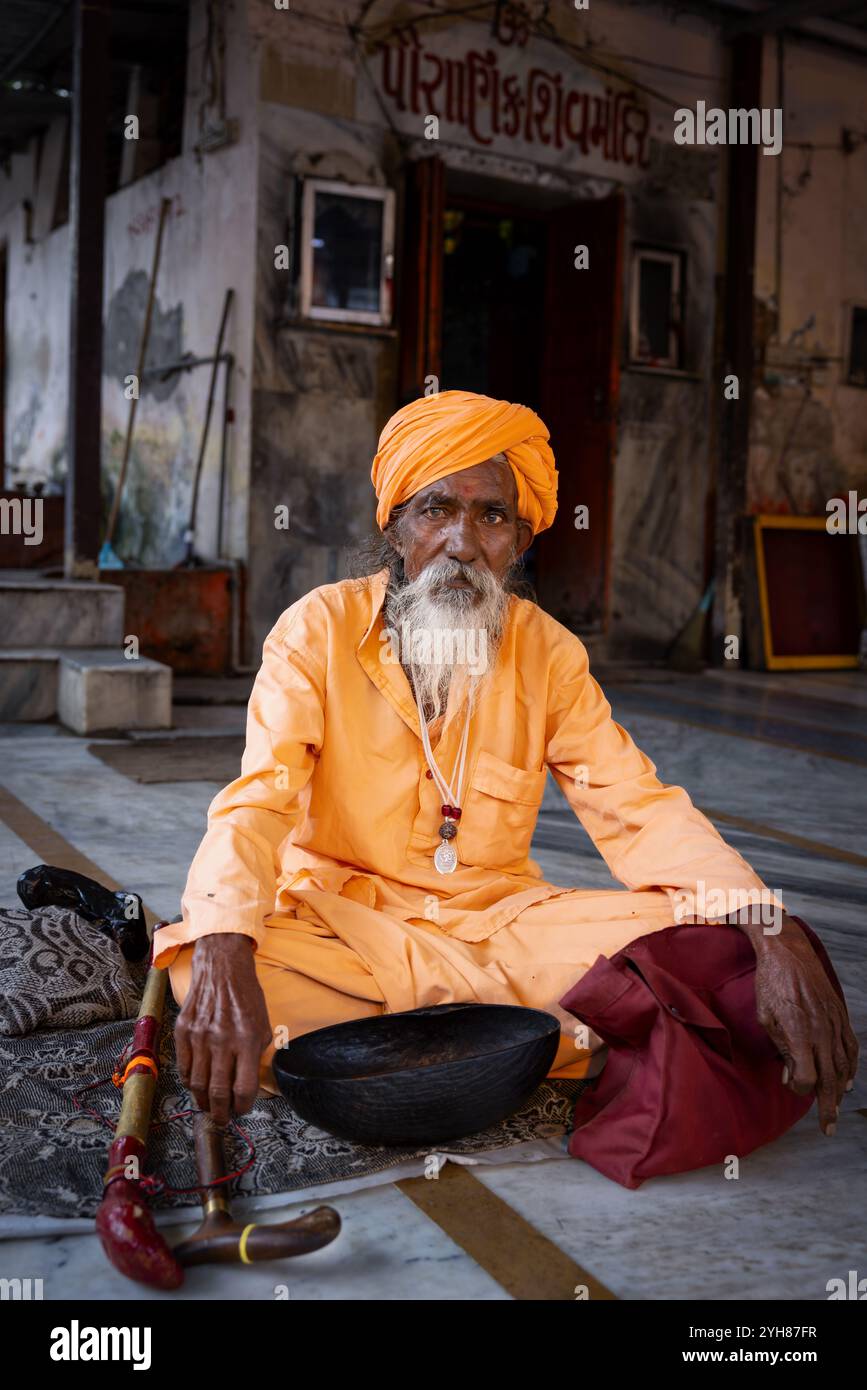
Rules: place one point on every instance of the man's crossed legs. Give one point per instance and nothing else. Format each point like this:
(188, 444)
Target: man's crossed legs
(311, 976)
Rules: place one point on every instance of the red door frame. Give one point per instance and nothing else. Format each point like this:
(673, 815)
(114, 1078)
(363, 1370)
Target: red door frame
(420, 279)
(581, 378)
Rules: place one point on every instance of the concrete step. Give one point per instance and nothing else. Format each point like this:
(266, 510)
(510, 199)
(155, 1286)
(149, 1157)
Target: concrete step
(91, 690)
(99, 689)
(28, 685)
(39, 613)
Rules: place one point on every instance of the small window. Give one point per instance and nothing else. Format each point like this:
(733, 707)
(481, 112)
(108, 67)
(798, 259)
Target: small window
(656, 308)
(856, 374)
(347, 252)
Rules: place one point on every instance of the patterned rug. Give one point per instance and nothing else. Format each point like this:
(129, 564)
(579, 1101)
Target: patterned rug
(53, 1155)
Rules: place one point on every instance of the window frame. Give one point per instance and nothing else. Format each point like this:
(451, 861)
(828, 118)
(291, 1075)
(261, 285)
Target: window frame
(676, 258)
(322, 313)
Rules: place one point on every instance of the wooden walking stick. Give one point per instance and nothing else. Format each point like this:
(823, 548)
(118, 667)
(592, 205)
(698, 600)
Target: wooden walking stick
(124, 1223)
(220, 1240)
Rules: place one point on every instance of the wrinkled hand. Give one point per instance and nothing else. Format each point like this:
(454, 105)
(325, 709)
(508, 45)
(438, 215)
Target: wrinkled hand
(222, 1029)
(804, 1017)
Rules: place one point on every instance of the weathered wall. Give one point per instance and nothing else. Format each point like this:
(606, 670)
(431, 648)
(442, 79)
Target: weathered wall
(37, 333)
(320, 394)
(663, 458)
(310, 401)
(809, 429)
(207, 246)
(314, 436)
(804, 448)
(661, 482)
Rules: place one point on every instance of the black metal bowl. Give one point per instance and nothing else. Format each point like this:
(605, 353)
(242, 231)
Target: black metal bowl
(421, 1076)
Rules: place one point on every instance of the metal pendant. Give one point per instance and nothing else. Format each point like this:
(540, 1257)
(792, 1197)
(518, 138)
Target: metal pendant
(445, 858)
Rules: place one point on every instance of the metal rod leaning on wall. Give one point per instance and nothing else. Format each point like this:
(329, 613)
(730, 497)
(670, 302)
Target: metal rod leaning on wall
(164, 370)
(184, 364)
(165, 204)
(227, 384)
(190, 537)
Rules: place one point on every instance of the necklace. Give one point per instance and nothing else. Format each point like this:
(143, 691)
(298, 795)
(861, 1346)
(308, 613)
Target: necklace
(445, 857)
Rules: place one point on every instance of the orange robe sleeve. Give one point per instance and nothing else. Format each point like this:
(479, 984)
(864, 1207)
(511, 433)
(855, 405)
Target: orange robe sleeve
(232, 881)
(649, 834)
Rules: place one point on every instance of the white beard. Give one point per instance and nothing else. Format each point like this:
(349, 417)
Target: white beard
(447, 635)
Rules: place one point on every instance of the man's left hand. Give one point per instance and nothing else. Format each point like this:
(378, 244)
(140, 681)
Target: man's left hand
(804, 1016)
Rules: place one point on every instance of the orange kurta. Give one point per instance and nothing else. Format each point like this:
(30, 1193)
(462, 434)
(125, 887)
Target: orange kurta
(322, 849)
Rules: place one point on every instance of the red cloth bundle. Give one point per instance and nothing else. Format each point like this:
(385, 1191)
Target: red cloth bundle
(691, 1076)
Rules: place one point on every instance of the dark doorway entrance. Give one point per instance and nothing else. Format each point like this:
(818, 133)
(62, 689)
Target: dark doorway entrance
(493, 296)
(494, 303)
(492, 312)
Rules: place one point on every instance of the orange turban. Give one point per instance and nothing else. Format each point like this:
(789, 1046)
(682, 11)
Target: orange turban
(441, 434)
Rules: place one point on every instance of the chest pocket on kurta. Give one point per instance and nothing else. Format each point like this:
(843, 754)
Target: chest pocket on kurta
(499, 814)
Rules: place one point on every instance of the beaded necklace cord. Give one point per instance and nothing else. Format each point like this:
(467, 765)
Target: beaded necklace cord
(445, 857)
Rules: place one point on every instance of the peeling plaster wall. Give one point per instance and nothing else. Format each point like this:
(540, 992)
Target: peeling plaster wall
(207, 246)
(809, 428)
(320, 394)
(663, 454)
(37, 334)
(663, 461)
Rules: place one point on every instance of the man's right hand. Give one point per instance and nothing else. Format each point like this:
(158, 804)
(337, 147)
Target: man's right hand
(223, 1028)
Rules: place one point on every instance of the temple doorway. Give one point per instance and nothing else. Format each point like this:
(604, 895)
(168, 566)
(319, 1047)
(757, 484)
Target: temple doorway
(493, 302)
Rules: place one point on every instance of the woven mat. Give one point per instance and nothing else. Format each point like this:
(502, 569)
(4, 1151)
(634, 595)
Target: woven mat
(202, 759)
(52, 1156)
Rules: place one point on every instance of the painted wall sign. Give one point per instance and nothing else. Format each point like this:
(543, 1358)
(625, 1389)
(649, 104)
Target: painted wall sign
(503, 100)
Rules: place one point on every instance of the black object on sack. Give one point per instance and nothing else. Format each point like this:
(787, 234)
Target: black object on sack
(118, 915)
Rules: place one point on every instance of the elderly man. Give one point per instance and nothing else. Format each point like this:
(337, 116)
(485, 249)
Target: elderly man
(373, 855)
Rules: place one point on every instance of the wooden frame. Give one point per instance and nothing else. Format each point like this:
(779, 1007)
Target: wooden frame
(673, 257)
(765, 522)
(420, 273)
(384, 196)
(580, 393)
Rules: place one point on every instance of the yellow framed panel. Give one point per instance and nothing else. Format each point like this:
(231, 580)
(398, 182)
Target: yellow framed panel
(767, 522)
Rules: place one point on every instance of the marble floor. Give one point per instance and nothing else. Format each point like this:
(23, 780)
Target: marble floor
(779, 763)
